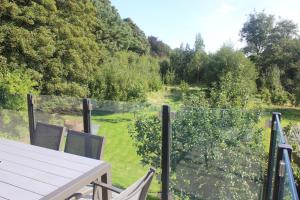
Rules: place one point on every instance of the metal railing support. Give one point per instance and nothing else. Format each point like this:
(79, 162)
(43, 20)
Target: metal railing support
(87, 108)
(31, 119)
(280, 171)
(165, 152)
(272, 148)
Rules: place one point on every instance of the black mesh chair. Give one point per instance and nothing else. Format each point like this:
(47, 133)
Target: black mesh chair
(83, 144)
(48, 135)
(87, 145)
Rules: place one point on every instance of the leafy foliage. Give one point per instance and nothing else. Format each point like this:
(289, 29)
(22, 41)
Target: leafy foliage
(13, 89)
(158, 47)
(256, 32)
(208, 151)
(129, 76)
(274, 46)
(139, 42)
(69, 46)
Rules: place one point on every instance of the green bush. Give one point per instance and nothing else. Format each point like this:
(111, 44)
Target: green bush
(279, 96)
(14, 86)
(232, 90)
(170, 78)
(184, 88)
(129, 76)
(265, 95)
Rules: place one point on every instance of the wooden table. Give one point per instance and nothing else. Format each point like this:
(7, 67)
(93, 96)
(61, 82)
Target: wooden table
(29, 172)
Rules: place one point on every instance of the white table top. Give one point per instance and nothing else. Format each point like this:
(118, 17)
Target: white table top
(34, 173)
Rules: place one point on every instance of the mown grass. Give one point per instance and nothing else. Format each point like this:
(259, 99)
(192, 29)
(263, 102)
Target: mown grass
(120, 151)
(288, 115)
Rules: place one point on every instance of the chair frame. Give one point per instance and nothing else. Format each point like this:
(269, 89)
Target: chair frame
(144, 190)
(62, 129)
(87, 137)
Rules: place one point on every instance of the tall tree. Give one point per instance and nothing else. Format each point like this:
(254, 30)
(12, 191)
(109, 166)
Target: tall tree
(278, 48)
(111, 30)
(139, 42)
(158, 47)
(285, 29)
(199, 43)
(256, 32)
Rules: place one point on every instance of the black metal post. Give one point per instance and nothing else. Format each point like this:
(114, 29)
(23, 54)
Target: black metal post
(272, 148)
(165, 152)
(280, 171)
(87, 108)
(31, 120)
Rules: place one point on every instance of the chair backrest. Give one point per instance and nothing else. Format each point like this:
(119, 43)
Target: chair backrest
(84, 144)
(48, 135)
(139, 190)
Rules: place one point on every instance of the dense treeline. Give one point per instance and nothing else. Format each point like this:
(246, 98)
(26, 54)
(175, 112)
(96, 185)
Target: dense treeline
(78, 48)
(269, 64)
(84, 48)
(229, 75)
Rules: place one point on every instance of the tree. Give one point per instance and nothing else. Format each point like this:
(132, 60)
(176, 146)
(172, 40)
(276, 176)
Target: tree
(129, 76)
(67, 46)
(273, 44)
(158, 47)
(197, 62)
(226, 60)
(195, 68)
(139, 42)
(256, 32)
(164, 69)
(54, 40)
(208, 151)
(179, 61)
(111, 30)
(187, 63)
(285, 29)
(199, 43)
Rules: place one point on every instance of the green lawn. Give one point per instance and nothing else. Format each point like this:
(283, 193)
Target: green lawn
(119, 150)
(288, 115)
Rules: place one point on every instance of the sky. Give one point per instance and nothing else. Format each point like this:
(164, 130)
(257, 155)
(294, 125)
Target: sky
(218, 21)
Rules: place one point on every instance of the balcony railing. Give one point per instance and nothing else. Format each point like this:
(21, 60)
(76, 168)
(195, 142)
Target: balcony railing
(280, 182)
(230, 167)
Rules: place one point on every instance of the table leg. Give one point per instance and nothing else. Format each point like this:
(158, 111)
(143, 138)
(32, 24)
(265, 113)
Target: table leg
(106, 178)
(101, 193)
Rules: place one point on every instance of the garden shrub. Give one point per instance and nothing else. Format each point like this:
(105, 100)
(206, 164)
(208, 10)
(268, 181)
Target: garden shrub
(14, 86)
(265, 95)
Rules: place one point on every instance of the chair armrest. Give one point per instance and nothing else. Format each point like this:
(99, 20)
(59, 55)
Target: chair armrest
(108, 187)
(75, 195)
